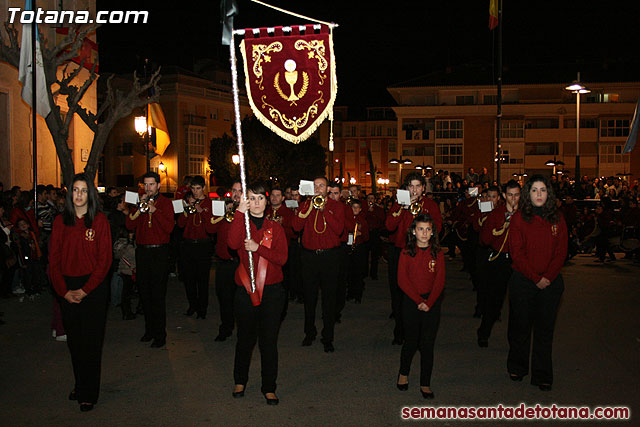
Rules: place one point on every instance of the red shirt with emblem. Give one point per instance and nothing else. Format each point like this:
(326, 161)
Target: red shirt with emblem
(321, 229)
(153, 228)
(79, 251)
(421, 274)
(276, 255)
(400, 219)
(538, 248)
(195, 224)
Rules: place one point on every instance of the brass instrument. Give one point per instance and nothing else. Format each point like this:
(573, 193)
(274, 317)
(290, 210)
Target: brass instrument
(143, 206)
(191, 209)
(350, 200)
(274, 216)
(229, 216)
(319, 201)
(415, 208)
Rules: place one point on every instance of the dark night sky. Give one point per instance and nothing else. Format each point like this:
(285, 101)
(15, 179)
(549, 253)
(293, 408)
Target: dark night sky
(379, 46)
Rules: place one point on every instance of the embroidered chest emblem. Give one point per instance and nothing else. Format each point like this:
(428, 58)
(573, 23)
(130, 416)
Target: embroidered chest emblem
(89, 235)
(554, 230)
(432, 266)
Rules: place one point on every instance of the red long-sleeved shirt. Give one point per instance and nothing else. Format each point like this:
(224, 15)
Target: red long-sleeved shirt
(418, 275)
(161, 223)
(350, 221)
(401, 223)
(195, 224)
(375, 217)
(538, 248)
(79, 251)
(287, 219)
(221, 228)
(276, 255)
(494, 223)
(329, 224)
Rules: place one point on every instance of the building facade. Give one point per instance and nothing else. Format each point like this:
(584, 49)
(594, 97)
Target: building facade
(197, 108)
(453, 127)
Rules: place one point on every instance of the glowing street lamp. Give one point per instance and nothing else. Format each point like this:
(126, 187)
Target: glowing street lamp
(235, 159)
(577, 88)
(141, 125)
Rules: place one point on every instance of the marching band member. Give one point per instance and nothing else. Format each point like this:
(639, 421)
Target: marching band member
(421, 275)
(398, 220)
(153, 222)
(258, 314)
(495, 270)
(227, 263)
(538, 247)
(196, 248)
(80, 258)
(375, 216)
(321, 221)
(357, 228)
(334, 193)
(478, 218)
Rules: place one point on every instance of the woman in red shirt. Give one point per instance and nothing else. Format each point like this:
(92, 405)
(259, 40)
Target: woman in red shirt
(421, 273)
(258, 314)
(80, 256)
(538, 248)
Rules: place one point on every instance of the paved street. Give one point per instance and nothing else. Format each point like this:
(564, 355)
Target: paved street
(189, 382)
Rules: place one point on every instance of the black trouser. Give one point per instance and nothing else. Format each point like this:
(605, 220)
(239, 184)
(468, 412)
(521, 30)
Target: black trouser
(261, 324)
(84, 324)
(374, 248)
(127, 293)
(196, 260)
(393, 256)
(343, 272)
(319, 272)
(532, 308)
(355, 261)
(420, 330)
(152, 269)
(602, 245)
(494, 278)
(295, 271)
(225, 290)
(480, 265)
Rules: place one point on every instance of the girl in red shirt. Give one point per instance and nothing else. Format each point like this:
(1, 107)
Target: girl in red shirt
(79, 258)
(258, 318)
(538, 248)
(421, 274)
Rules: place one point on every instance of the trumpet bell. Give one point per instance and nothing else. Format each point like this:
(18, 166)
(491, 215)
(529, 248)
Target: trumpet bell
(319, 201)
(415, 208)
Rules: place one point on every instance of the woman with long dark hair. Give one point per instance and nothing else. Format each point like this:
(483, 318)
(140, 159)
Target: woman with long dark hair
(80, 257)
(258, 314)
(421, 274)
(538, 248)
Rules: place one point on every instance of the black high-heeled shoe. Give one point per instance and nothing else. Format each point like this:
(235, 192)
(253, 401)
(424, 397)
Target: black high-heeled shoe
(86, 406)
(271, 401)
(402, 387)
(427, 394)
(238, 394)
(515, 377)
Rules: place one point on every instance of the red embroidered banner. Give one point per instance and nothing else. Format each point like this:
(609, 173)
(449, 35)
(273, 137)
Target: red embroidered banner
(290, 79)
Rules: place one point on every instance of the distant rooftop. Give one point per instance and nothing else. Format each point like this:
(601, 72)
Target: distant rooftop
(484, 74)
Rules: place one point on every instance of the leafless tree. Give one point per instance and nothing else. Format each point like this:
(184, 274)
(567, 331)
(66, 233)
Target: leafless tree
(116, 105)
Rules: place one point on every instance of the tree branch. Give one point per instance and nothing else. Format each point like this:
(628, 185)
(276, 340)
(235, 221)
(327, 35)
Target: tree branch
(10, 53)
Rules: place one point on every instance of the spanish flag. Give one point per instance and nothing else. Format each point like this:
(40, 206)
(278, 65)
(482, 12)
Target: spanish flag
(157, 121)
(493, 14)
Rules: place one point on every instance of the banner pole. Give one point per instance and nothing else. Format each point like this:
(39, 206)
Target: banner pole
(243, 180)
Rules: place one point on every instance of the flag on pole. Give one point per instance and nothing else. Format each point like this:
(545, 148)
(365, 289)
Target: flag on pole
(493, 14)
(26, 68)
(633, 133)
(157, 121)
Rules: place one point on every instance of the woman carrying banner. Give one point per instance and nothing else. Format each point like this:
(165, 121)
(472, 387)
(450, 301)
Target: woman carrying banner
(258, 314)
(80, 257)
(538, 248)
(421, 274)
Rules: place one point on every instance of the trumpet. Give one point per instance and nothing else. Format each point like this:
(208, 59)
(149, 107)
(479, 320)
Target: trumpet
(415, 208)
(229, 216)
(191, 209)
(274, 216)
(350, 200)
(143, 205)
(319, 201)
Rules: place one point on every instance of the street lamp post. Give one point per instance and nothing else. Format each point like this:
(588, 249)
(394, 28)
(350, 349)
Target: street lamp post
(577, 88)
(400, 162)
(143, 130)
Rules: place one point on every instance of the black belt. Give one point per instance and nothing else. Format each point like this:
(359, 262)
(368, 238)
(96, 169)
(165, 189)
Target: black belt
(197, 240)
(319, 251)
(152, 246)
